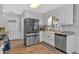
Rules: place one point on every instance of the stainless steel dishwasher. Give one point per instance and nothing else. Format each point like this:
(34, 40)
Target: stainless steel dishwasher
(60, 41)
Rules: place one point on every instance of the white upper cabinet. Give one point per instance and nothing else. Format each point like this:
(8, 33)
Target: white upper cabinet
(68, 15)
(64, 13)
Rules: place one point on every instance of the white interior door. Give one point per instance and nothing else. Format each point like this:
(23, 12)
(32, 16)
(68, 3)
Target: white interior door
(13, 29)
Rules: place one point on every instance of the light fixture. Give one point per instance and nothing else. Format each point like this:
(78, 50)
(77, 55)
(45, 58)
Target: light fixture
(34, 5)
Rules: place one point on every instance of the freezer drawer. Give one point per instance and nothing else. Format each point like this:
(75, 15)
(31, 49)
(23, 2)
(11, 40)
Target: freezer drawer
(31, 40)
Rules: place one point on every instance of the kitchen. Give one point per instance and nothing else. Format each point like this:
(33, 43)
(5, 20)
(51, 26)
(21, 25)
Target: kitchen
(57, 24)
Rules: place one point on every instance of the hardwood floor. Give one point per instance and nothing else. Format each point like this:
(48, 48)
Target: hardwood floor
(19, 48)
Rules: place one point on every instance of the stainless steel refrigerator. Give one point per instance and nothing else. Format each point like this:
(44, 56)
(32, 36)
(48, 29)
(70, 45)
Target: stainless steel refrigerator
(31, 31)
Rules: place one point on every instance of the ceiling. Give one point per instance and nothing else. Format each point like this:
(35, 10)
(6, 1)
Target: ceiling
(19, 8)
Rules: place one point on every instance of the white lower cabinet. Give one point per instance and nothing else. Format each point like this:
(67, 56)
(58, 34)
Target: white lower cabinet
(70, 44)
(41, 36)
(48, 37)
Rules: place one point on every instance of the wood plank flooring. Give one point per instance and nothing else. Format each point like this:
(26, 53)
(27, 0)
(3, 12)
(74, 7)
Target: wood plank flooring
(19, 48)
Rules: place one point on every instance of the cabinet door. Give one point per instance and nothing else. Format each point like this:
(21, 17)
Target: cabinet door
(49, 38)
(68, 17)
(61, 18)
(52, 39)
(45, 36)
(68, 14)
(41, 36)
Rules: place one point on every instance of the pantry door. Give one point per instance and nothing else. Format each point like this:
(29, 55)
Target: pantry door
(13, 29)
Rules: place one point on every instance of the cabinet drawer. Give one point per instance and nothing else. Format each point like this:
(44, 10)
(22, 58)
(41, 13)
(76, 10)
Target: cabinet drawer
(49, 38)
(31, 40)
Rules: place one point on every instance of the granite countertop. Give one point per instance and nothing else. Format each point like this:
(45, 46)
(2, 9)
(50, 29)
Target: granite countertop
(65, 32)
(61, 32)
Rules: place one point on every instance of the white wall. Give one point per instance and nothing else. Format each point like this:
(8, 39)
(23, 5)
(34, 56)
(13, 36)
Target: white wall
(30, 14)
(4, 17)
(2, 20)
